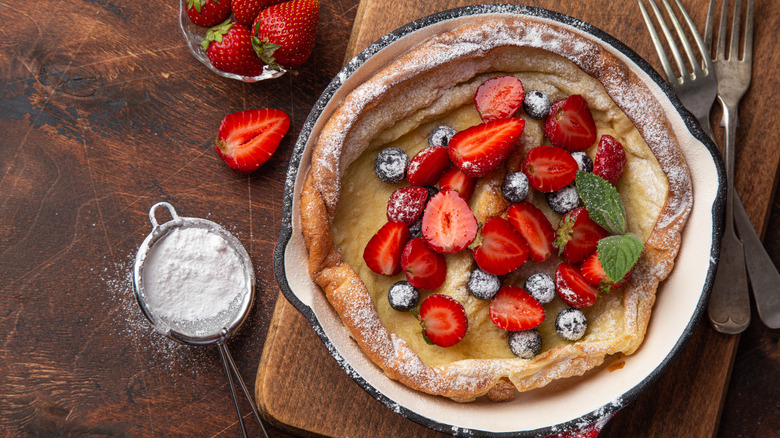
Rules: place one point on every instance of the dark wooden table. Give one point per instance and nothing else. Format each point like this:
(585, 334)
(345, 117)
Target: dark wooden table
(103, 112)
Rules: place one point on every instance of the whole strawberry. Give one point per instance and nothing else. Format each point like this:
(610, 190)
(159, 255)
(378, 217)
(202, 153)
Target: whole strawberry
(229, 49)
(246, 11)
(207, 13)
(284, 34)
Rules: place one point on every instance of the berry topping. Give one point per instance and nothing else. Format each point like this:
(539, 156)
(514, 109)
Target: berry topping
(537, 104)
(246, 139)
(571, 324)
(572, 287)
(448, 225)
(502, 249)
(424, 267)
(594, 274)
(514, 309)
(515, 186)
(535, 228)
(426, 166)
(610, 159)
(383, 252)
(443, 319)
(549, 168)
(541, 286)
(480, 149)
(578, 235)
(584, 163)
(570, 124)
(432, 191)
(407, 204)
(525, 344)
(390, 165)
(499, 97)
(454, 179)
(483, 285)
(403, 296)
(564, 200)
(441, 136)
(415, 229)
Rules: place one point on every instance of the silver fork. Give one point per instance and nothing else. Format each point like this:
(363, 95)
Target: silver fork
(729, 306)
(736, 74)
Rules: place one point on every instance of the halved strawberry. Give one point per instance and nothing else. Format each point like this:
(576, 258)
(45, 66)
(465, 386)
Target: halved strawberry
(383, 251)
(426, 166)
(246, 139)
(610, 159)
(535, 228)
(515, 309)
(424, 267)
(549, 168)
(572, 287)
(443, 319)
(570, 124)
(503, 249)
(578, 235)
(482, 148)
(407, 204)
(499, 97)
(594, 274)
(454, 179)
(448, 225)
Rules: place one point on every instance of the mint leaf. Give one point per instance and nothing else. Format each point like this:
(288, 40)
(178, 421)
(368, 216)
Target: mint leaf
(602, 201)
(618, 254)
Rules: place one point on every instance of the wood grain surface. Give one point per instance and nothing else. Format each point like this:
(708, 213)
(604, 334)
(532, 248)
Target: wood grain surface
(103, 113)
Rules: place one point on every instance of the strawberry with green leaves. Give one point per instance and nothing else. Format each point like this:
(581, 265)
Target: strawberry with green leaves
(284, 34)
(207, 13)
(229, 48)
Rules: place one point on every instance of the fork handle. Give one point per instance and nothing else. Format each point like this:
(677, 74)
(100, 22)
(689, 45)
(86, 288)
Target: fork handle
(729, 306)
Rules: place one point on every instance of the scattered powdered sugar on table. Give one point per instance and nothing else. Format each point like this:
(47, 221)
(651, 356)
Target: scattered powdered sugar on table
(192, 274)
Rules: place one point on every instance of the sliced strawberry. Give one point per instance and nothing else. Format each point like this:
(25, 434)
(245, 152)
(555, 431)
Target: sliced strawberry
(515, 309)
(610, 159)
(426, 166)
(454, 179)
(443, 319)
(549, 168)
(406, 204)
(570, 124)
(482, 148)
(247, 139)
(424, 267)
(535, 228)
(383, 252)
(448, 225)
(577, 235)
(499, 97)
(503, 249)
(594, 274)
(572, 287)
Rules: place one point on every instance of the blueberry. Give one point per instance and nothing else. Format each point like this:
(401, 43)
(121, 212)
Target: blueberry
(536, 104)
(515, 186)
(415, 229)
(525, 344)
(390, 165)
(571, 324)
(441, 136)
(541, 286)
(564, 200)
(403, 296)
(483, 285)
(584, 162)
(432, 191)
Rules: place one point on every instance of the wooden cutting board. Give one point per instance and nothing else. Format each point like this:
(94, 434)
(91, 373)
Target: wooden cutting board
(301, 388)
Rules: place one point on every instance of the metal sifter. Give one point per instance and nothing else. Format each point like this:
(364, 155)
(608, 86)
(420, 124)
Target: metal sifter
(215, 329)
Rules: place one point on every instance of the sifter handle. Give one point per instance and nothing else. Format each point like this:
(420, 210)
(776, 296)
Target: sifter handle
(155, 207)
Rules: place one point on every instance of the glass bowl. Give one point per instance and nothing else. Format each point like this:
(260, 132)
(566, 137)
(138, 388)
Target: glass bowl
(194, 36)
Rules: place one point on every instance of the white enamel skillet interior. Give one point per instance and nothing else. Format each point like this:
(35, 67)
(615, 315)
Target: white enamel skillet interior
(680, 302)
